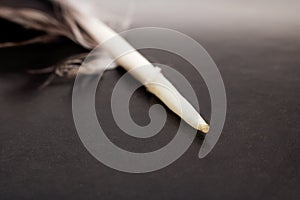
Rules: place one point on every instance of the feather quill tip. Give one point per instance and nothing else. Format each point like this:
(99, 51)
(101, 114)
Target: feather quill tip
(204, 128)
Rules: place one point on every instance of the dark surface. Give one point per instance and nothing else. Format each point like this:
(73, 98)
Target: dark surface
(257, 156)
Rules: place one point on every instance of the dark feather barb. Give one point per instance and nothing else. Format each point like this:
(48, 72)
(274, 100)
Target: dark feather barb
(68, 68)
(38, 39)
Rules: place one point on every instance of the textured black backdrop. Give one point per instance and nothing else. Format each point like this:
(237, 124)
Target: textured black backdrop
(257, 156)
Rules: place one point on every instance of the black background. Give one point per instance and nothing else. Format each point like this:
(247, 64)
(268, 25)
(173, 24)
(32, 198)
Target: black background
(257, 156)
